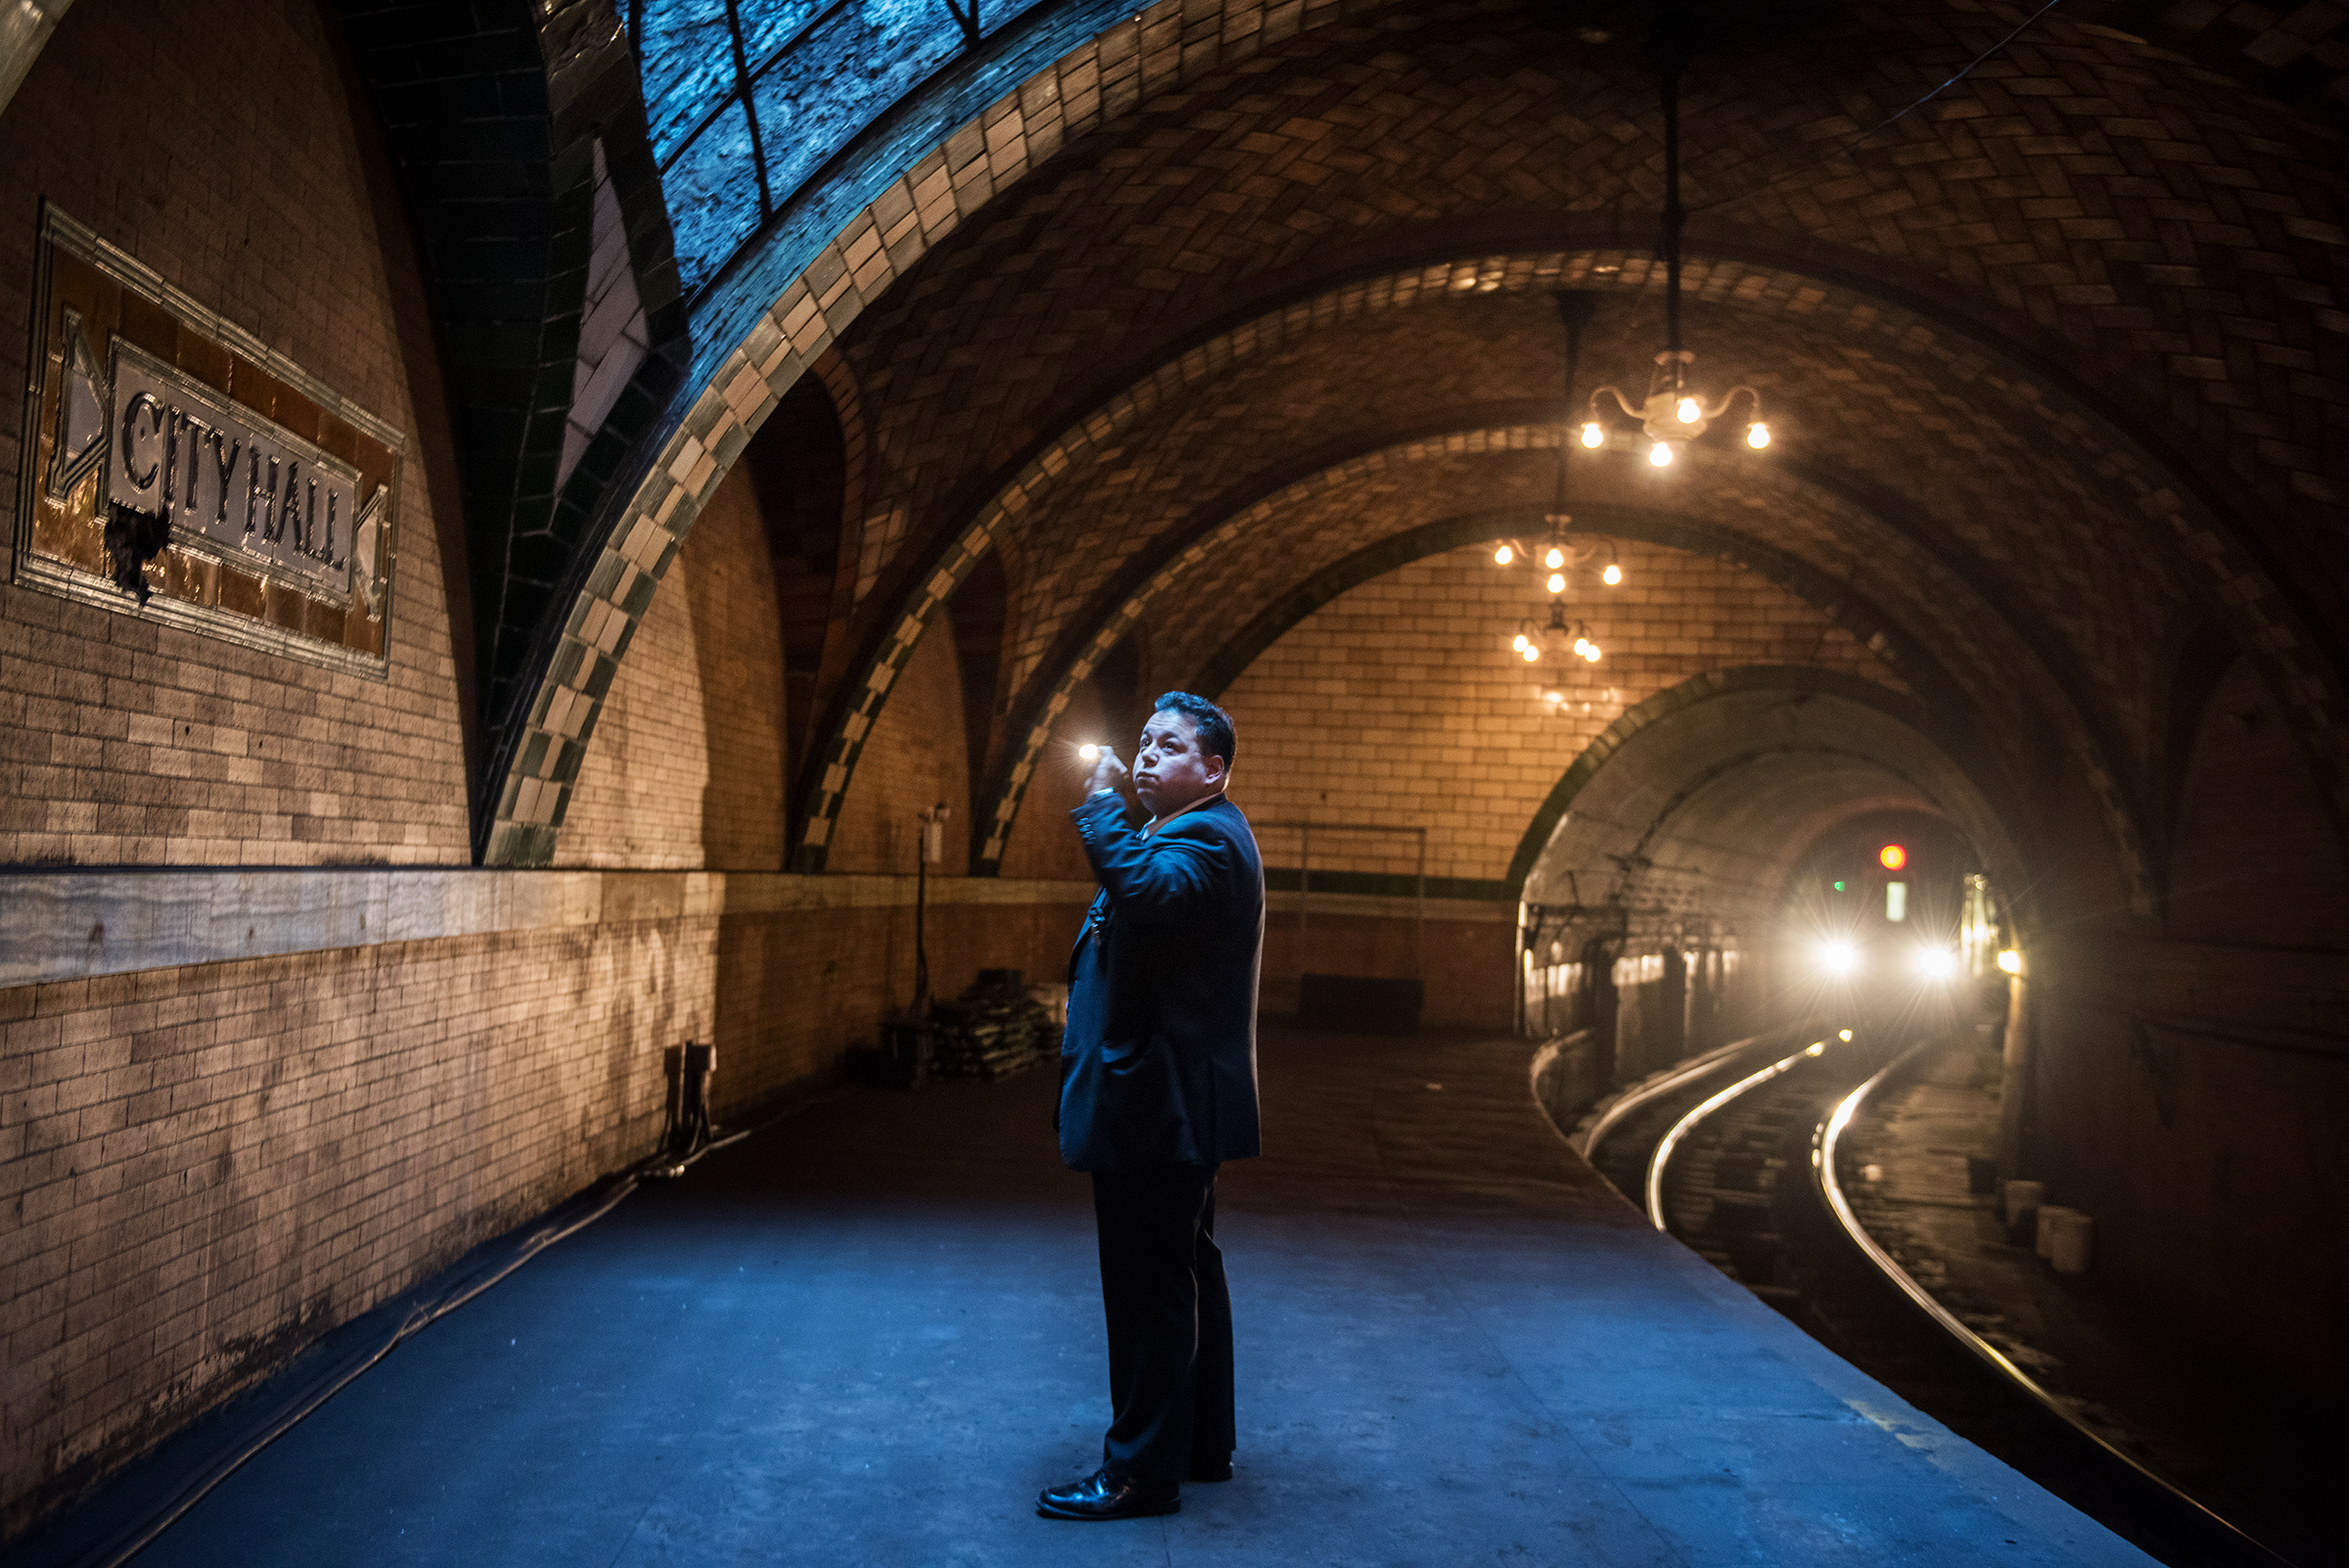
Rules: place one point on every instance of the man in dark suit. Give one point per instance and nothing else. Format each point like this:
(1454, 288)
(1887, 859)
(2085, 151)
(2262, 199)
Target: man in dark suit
(1158, 1089)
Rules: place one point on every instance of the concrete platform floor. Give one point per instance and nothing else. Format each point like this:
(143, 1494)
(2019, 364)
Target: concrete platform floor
(870, 1334)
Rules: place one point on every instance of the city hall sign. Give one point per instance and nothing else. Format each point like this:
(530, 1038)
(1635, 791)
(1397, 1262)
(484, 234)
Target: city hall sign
(178, 468)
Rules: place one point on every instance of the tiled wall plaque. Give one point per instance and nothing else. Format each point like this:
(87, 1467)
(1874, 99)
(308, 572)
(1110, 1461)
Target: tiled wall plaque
(176, 467)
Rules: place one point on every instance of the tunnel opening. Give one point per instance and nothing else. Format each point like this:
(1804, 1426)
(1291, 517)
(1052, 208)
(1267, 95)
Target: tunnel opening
(1686, 895)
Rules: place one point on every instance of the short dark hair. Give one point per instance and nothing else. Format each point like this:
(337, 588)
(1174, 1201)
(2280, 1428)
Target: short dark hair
(1211, 727)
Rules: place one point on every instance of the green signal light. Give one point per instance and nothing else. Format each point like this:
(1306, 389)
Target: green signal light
(1838, 887)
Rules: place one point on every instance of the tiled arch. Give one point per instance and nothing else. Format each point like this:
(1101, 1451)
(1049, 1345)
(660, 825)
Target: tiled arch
(1110, 622)
(1958, 749)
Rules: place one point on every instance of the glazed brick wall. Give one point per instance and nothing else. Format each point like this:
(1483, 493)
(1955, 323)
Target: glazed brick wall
(913, 759)
(209, 1166)
(1399, 702)
(687, 765)
(1043, 841)
(2189, 1147)
(122, 743)
(205, 1168)
(1464, 970)
(687, 768)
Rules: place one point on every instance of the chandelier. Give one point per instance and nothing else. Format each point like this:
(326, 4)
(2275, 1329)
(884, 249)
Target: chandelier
(1558, 637)
(1671, 415)
(1559, 554)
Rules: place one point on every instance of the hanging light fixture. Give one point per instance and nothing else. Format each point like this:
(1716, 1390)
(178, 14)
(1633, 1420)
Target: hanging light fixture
(1552, 559)
(1557, 554)
(1673, 414)
(1557, 640)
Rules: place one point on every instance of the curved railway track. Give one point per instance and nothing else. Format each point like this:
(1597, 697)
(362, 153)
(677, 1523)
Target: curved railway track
(1734, 1155)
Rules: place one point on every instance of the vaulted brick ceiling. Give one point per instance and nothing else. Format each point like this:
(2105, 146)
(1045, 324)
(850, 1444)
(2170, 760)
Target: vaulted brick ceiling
(2056, 363)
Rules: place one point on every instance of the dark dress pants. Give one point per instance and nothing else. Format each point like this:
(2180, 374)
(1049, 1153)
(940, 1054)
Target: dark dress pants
(1170, 1321)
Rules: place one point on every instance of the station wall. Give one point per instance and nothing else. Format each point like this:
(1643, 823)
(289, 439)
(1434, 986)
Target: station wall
(2187, 1084)
(221, 1136)
(210, 1153)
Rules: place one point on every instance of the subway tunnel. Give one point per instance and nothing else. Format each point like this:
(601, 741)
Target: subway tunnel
(751, 448)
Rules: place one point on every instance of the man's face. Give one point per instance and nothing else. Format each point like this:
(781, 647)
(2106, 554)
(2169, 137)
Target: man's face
(1168, 771)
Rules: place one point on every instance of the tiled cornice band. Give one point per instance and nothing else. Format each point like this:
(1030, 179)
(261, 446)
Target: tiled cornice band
(71, 925)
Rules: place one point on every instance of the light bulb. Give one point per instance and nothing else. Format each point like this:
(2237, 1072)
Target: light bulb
(1757, 435)
(1532, 653)
(1555, 559)
(1595, 435)
(1557, 583)
(1612, 575)
(1580, 643)
(1504, 556)
(1519, 641)
(1688, 411)
(1592, 655)
(1660, 455)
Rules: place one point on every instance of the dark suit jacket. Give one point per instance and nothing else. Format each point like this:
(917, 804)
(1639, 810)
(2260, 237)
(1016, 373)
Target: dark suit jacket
(1158, 1065)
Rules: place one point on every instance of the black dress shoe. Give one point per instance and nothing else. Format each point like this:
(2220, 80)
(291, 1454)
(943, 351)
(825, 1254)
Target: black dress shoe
(1211, 1469)
(1103, 1495)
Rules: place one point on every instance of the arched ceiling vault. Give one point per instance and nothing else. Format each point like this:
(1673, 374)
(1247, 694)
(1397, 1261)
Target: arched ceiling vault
(1982, 667)
(2066, 326)
(1983, 452)
(1109, 509)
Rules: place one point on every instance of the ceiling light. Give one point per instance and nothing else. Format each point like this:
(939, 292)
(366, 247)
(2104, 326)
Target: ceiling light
(1673, 410)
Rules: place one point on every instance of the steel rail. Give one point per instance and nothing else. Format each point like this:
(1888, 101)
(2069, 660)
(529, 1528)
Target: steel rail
(1586, 1136)
(1670, 1140)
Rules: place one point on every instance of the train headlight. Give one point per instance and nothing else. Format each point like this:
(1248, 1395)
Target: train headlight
(1838, 958)
(1935, 963)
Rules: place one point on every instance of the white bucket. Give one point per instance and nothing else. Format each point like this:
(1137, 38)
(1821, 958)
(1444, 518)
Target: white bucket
(2066, 1237)
(2021, 1195)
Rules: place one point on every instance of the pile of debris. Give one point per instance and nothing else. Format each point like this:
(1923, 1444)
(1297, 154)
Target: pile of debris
(993, 1030)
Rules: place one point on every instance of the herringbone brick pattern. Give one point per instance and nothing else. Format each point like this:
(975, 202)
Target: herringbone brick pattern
(2044, 499)
(2104, 436)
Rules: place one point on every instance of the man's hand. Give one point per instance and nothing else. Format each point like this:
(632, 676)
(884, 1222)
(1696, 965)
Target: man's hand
(1110, 775)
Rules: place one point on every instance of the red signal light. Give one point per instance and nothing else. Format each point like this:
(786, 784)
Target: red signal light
(1892, 857)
